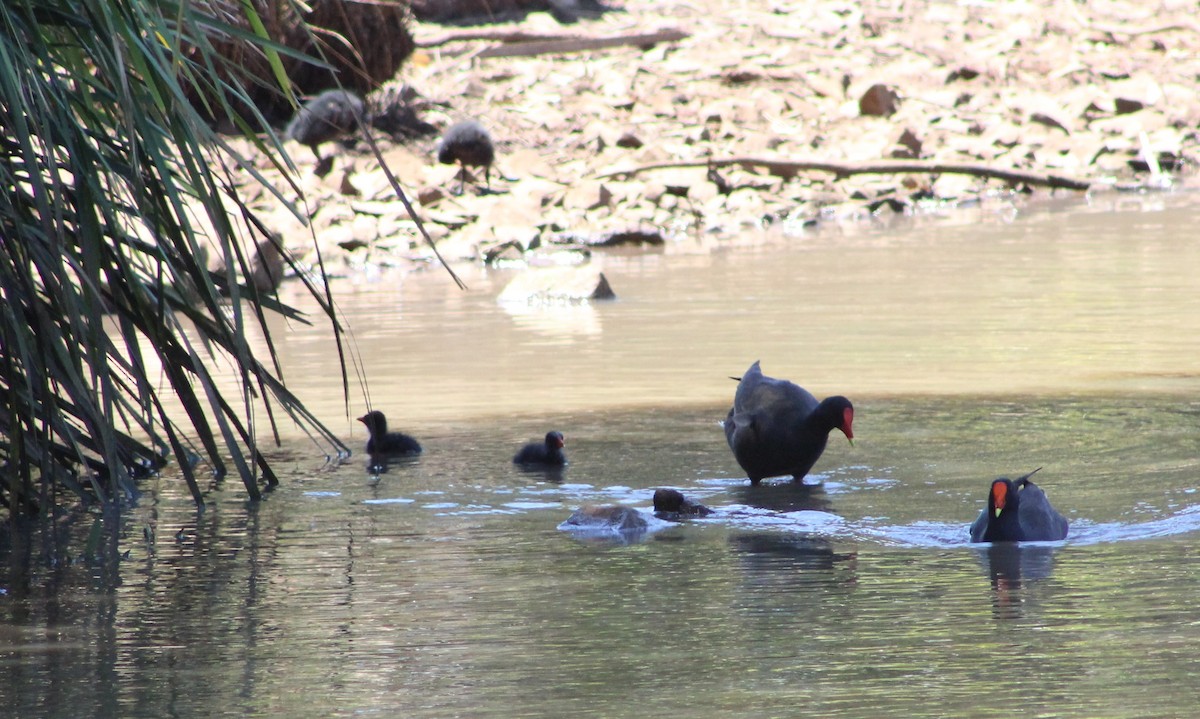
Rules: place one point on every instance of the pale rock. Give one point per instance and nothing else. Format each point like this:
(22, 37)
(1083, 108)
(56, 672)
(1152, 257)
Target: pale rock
(587, 195)
(557, 284)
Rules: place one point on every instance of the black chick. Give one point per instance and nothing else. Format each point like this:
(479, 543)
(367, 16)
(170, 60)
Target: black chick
(470, 145)
(329, 116)
(385, 442)
(670, 504)
(548, 452)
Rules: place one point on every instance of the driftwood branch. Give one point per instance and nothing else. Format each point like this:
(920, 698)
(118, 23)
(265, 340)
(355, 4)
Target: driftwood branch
(790, 168)
(1116, 30)
(580, 44)
(501, 36)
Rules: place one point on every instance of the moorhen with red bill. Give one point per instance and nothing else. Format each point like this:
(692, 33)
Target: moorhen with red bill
(1018, 511)
(778, 428)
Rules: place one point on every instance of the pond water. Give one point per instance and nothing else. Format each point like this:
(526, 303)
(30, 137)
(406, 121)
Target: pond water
(981, 344)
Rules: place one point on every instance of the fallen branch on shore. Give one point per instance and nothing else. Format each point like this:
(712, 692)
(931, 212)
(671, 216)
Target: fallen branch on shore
(521, 44)
(501, 36)
(791, 168)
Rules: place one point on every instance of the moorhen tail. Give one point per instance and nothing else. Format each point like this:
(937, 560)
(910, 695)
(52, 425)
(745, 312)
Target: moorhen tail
(778, 428)
(1018, 511)
(470, 145)
(549, 452)
(382, 441)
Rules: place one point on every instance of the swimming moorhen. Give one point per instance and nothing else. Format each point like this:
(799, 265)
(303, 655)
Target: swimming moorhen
(1018, 511)
(385, 442)
(670, 504)
(778, 428)
(548, 452)
(468, 144)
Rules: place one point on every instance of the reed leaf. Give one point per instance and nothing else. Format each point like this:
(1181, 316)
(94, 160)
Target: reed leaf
(105, 156)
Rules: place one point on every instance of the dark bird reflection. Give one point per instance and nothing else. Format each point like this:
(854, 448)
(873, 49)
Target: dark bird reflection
(378, 464)
(784, 497)
(545, 472)
(1011, 567)
(794, 551)
(778, 562)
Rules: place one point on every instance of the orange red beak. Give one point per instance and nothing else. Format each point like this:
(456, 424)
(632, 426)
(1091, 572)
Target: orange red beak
(999, 496)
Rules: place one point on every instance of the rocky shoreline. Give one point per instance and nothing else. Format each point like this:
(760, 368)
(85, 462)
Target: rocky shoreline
(749, 114)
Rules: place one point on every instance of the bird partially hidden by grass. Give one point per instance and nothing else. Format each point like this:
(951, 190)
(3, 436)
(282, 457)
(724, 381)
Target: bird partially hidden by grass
(331, 115)
(469, 144)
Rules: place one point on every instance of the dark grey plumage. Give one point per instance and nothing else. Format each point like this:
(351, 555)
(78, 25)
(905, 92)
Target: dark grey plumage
(384, 442)
(670, 504)
(776, 427)
(469, 144)
(330, 116)
(1018, 511)
(549, 452)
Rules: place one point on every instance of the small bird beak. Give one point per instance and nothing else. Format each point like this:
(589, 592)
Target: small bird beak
(850, 440)
(998, 511)
(363, 419)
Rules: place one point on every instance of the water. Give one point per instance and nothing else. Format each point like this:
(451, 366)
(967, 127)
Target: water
(973, 346)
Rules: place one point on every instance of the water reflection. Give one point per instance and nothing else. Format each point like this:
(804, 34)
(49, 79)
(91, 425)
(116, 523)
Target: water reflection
(544, 472)
(1011, 567)
(785, 497)
(773, 556)
(379, 464)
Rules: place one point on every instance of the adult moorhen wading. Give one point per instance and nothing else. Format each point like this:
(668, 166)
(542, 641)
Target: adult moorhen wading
(778, 428)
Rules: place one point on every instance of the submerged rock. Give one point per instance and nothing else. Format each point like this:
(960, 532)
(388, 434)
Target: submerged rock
(605, 517)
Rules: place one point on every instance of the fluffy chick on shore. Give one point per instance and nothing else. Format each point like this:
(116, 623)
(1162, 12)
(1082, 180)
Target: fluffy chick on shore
(469, 144)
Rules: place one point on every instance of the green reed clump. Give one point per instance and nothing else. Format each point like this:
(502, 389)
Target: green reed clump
(107, 175)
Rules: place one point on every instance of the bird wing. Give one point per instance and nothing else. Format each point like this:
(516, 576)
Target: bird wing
(1040, 521)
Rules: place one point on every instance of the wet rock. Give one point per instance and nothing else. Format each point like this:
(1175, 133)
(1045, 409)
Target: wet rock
(1042, 118)
(962, 73)
(505, 251)
(614, 239)
(878, 101)
(630, 141)
(427, 196)
(346, 186)
(611, 517)
(1125, 106)
(353, 245)
(910, 146)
